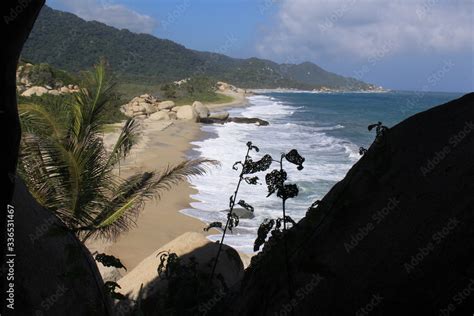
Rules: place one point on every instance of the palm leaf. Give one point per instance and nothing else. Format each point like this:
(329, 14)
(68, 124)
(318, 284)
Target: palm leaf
(124, 208)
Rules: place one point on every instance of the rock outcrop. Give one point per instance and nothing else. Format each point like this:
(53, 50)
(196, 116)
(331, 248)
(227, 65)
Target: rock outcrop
(166, 105)
(54, 273)
(240, 120)
(395, 235)
(36, 90)
(221, 116)
(185, 246)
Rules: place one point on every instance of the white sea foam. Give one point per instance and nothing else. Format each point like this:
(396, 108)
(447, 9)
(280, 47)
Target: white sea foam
(327, 160)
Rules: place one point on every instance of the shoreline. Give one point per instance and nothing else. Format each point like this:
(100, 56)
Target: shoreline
(161, 143)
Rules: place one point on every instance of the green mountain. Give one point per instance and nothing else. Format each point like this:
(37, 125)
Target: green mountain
(68, 42)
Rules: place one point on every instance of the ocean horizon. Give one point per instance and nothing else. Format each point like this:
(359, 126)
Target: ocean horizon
(326, 128)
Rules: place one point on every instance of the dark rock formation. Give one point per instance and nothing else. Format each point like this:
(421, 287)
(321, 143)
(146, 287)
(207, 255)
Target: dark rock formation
(243, 120)
(54, 273)
(395, 236)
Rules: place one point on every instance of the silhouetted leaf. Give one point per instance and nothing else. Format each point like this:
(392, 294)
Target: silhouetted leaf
(110, 287)
(262, 233)
(260, 165)
(234, 166)
(250, 146)
(213, 225)
(288, 191)
(246, 206)
(362, 151)
(233, 220)
(295, 158)
(275, 180)
(109, 261)
(251, 180)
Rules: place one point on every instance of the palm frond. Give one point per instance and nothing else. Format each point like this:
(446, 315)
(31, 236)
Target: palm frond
(124, 143)
(122, 211)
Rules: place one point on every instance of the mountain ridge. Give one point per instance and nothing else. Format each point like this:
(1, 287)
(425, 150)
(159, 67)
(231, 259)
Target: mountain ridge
(66, 41)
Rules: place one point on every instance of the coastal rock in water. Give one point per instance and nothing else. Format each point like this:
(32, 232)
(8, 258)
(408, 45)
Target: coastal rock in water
(185, 246)
(241, 212)
(219, 116)
(248, 120)
(187, 112)
(159, 116)
(166, 105)
(201, 109)
(39, 91)
(241, 120)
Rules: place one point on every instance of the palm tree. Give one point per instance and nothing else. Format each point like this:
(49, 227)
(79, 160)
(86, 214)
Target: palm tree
(68, 170)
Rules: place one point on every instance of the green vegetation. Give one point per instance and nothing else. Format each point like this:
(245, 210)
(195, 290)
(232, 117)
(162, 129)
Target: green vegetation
(44, 74)
(68, 170)
(68, 42)
(196, 88)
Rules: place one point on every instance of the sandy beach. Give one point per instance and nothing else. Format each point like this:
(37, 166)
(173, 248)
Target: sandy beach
(162, 143)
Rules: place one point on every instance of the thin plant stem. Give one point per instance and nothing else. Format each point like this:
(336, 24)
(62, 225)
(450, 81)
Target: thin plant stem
(231, 209)
(285, 246)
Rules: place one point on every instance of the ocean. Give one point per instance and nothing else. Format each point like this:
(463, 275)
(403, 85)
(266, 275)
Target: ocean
(327, 129)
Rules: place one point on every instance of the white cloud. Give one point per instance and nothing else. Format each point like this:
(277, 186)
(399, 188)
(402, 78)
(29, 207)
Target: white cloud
(112, 14)
(359, 29)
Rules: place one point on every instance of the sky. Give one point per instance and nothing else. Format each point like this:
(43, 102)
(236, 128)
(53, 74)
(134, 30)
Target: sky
(422, 45)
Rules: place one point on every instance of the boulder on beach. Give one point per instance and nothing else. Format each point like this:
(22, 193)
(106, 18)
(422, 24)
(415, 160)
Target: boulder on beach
(39, 91)
(187, 112)
(186, 246)
(166, 105)
(159, 116)
(172, 116)
(219, 116)
(201, 109)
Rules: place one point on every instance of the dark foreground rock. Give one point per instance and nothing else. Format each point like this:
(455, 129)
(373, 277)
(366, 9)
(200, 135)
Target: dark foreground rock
(54, 273)
(242, 120)
(395, 236)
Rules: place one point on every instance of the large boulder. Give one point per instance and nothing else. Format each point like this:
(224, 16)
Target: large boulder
(188, 245)
(65, 90)
(138, 108)
(187, 112)
(160, 116)
(54, 273)
(36, 90)
(201, 109)
(219, 116)
(166, 105)
(248, 120)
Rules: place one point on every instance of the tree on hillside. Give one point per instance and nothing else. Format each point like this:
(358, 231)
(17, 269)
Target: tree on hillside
(67, 168)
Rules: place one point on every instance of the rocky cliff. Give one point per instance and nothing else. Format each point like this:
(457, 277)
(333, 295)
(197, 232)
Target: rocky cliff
(394, 237)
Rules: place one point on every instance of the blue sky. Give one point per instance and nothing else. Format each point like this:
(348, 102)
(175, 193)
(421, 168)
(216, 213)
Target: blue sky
(399, 44)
